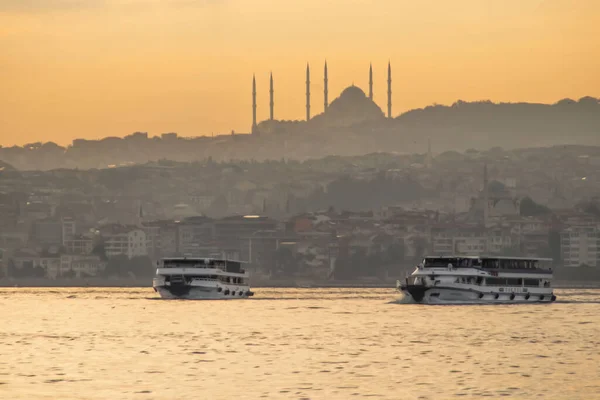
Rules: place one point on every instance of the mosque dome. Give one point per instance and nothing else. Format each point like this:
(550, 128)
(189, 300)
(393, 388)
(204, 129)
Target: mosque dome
(352, 107)
(353, 92)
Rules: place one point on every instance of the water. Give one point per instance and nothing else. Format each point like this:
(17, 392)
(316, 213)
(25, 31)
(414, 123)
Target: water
(293, 344)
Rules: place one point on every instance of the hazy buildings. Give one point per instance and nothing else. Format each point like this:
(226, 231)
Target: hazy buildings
(124, 240)
(580, 245)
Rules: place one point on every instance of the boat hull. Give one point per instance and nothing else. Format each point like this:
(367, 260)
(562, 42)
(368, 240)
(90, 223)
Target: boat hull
(449, 295)
(199, 293)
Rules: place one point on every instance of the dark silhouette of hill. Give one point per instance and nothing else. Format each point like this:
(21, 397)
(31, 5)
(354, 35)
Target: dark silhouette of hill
(352, 125)
(510, 125)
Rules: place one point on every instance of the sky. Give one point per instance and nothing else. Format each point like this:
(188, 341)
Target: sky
(95, 68)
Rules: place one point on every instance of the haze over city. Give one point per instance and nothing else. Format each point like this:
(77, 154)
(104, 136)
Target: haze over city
(337, 170)
(90, 69)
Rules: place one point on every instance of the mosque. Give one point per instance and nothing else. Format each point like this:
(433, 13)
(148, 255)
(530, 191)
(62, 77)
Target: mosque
(351, 107)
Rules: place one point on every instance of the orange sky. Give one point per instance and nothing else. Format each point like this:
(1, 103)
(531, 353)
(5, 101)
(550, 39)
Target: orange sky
(95, 68)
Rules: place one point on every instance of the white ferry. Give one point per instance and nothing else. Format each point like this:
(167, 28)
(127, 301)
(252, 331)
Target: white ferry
(456, 279)
(201, 278)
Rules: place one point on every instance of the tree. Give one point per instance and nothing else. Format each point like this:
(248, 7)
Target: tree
(116, 266)
(590, 207)
(68, 274)
(359, 263)
(100, 251)
(394, 256)
(554, 246)
(530, 208)
(27, 270)
(285, 262)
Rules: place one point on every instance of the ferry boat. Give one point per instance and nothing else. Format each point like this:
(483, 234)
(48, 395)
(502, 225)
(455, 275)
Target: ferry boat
(458, 279)
(201, 278)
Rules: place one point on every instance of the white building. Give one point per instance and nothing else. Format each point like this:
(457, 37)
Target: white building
(580, 245)
(471, 241)
(79, 244)
(458, 241)
(87, 265)
(128, 241)
(68, 229)
(80, 265)
(470, 244)
(499, 239)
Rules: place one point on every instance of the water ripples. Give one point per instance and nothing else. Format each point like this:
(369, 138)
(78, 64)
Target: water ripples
(98, 343)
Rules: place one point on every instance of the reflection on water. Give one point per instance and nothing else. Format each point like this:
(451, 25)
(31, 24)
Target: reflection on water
(293, 344)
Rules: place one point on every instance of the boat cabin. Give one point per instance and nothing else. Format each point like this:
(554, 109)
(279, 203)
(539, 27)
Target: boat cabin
(490, 263)
(224, 265)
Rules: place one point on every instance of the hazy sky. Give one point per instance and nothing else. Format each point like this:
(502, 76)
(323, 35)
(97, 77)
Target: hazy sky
(95, 68)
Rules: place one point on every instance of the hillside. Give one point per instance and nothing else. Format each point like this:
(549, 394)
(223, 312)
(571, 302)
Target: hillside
(352, 126)
(509, 125)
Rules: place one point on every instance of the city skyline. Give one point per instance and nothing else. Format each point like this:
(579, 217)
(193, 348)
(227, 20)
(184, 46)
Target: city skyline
(68, 77)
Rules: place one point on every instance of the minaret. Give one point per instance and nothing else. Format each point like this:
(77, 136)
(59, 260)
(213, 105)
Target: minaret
(389, 103)
(307, 92)
(486, 200)
(325, 92)
(271, 102)
(140, 216)
(371, 82)
(428, 157)
(253, 103)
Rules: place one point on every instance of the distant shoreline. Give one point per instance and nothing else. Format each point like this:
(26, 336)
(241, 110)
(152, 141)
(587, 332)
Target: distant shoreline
(289, 283)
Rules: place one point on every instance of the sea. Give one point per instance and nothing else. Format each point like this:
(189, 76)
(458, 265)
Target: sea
(111, 343)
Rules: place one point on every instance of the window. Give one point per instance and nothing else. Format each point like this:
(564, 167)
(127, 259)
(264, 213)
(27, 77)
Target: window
(513, 281)
(503, 281)
(531, 282)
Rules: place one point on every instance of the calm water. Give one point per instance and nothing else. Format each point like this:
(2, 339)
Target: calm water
(293, 344)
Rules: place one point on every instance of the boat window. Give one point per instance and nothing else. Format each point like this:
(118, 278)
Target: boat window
(442, 262)
(513, 281)
(503, 281)
(509, 264)
(531, 282)
(495, 281)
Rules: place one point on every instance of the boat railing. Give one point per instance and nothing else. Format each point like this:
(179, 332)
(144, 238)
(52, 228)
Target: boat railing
(195, 266)
(204, 279)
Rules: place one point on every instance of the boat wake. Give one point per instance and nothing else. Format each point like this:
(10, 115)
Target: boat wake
(403, 299)
(582, 301)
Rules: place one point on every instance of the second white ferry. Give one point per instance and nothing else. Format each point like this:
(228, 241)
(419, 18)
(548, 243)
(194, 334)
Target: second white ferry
(457, 279)
(201, 278)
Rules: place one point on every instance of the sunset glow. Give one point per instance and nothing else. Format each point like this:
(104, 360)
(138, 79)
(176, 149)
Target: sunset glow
(96, 68)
